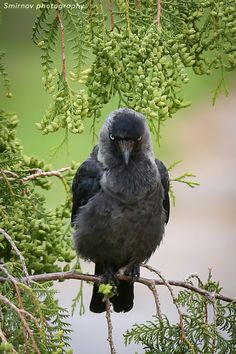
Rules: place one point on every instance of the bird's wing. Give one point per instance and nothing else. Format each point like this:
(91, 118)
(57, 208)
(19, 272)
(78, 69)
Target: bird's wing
(86, 183)
(165, 183)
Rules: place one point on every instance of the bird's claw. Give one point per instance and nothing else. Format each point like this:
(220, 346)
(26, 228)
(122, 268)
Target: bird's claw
(109, 278)
(136, 271)
(133, 271)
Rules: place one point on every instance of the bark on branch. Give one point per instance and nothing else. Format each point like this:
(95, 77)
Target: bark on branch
(59, 276)
(34, 174)
(146, 281)
(62, 41)
(158, 13)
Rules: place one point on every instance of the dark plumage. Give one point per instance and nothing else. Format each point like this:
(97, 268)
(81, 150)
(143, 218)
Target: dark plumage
(120, 204)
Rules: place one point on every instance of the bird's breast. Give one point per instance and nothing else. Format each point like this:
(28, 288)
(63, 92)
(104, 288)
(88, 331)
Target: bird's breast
(120, 232)
(131, 183)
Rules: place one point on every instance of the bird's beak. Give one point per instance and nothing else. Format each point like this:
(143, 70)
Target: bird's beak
(126, 147)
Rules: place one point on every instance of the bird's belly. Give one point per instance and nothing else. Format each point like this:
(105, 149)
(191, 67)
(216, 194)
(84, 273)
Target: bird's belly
(116, 233)
(139, 235)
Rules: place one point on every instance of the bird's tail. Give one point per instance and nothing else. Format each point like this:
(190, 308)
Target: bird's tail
(122, 302)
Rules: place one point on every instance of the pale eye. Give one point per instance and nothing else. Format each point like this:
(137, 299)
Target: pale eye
(112, 137)
(139, 138)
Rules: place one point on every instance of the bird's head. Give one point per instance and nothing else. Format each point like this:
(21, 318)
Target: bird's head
(125, 137)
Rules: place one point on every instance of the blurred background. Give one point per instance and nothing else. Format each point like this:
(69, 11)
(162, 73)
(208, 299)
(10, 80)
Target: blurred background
(201, 233)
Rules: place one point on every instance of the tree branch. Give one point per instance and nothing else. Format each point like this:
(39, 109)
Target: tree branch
(127, 15)
(182, 334)
(109, 326)
(20, 302)
(103, 16)
(148, 282)
(36, 173)
(40, 173)
(62, 42)
(153, 289)
(4, 340)
(158, 13)
(22, 259)
(3, 173)
(111, 9)
(20, 313)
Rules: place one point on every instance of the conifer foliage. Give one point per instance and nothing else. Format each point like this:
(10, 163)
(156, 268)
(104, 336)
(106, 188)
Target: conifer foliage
(206, 325)
(138, 53)
(142, 53)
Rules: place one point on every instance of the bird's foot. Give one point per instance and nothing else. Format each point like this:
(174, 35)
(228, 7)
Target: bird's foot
(136, 271)
(131, 270)
(108, 277)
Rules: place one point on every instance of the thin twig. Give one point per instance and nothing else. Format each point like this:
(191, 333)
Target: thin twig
(36, 173)
(7, 182)
(2, 336)
(36, 302)
(213, 301)
(40, 173)
(13, 174)
(192, 276)
(151, 269)
(103, 16)
(181, 315)
(111, 9)
(4, 340)
(127, 15)
(22, 259)
(25, 324)
(4, 270)
(153, 289)
(63, 56)
(109, 326)
(158, 13)
(19, 298)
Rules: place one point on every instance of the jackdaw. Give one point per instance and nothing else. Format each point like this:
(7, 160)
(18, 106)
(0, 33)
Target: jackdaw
(120, 204)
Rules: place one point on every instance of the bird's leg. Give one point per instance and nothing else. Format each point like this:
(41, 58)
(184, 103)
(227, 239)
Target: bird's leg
(108, 277)
(136, 271)
(130, 269)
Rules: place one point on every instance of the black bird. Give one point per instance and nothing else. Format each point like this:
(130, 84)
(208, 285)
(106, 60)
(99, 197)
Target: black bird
(120, 204)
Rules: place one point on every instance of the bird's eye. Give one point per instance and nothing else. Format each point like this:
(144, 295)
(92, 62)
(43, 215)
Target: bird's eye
(139, 138)
(112, 137)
